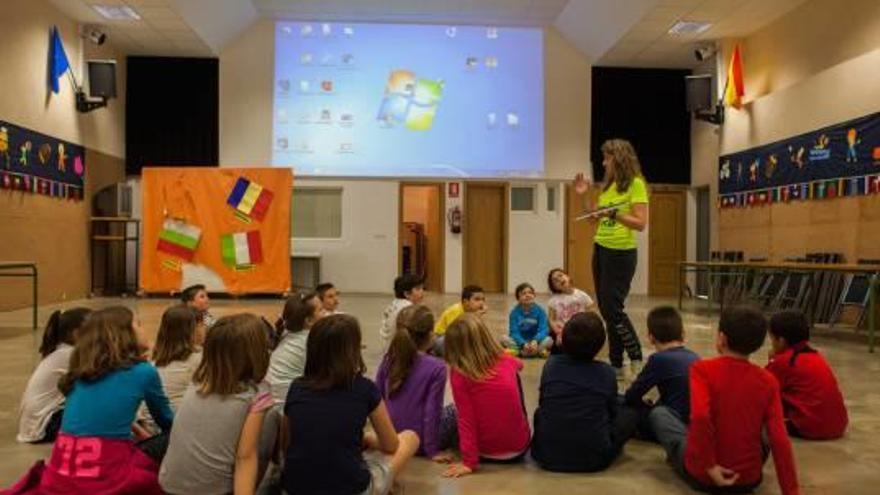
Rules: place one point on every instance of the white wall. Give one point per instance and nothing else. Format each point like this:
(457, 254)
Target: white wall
(365, 258)
(536, 240)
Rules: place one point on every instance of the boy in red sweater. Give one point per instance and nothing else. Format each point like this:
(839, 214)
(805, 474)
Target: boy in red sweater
(732, 402)
(811, 399)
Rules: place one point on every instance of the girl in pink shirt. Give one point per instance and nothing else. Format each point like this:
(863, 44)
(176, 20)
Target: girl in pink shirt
(492, 421)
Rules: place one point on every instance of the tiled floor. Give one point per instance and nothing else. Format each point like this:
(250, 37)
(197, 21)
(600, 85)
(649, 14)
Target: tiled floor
(849, 466)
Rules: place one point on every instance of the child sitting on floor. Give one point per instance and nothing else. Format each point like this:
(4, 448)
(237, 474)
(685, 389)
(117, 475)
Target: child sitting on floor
(667, 369)
(301, 312)
(492, 422)
(408, 289)
(528, 336)
(733, 405)
(325, 414)
(196, 297)
(107, 380)
(566, 301)
(42, 404)
(811, 399)
(217, 445)
(329, 296)
(578, 425)
(472, 301)
(412, 384)
(178, 351)
(176, 355)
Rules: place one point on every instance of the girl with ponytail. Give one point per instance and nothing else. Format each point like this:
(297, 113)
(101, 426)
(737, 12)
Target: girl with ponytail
(42, 404)
(288, 360)
(412, 383)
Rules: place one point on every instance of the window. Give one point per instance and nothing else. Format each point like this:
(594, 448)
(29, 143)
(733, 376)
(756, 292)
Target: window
(317, 213)
(551, 197)
(522, 198)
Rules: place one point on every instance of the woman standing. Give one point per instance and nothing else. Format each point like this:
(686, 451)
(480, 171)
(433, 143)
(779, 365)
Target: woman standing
(614, 256)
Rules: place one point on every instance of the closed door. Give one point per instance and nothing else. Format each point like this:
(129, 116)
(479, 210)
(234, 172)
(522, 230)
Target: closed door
(579, 235)
(485, 236)
(667, 238)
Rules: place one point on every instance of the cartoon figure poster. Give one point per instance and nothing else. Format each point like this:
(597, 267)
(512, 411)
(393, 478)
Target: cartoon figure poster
(834, 161)
(40, 164)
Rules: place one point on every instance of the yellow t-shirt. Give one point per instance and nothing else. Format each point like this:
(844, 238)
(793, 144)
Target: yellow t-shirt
(448, 316)
(612, 234)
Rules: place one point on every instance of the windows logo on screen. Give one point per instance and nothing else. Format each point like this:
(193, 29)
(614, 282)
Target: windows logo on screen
(410, 101)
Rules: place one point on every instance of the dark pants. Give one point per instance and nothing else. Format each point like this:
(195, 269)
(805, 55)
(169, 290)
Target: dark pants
(672, 434)
(155, 446)
(643, 426)
(578, 457)
(613, 271)
(52, 427)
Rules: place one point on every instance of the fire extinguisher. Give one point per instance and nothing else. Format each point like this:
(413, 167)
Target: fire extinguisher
(454, 217)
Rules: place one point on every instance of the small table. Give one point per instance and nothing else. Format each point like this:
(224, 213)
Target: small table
(29, 270)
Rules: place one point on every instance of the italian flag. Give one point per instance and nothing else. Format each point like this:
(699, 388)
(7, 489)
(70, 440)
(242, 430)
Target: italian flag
(250, 198)
(179, 239)
(242, 248)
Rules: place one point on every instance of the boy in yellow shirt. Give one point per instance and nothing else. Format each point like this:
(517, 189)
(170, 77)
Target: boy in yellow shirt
(472, 301)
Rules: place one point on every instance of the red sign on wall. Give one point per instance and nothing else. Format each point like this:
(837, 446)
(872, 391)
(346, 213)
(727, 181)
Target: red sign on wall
(453, 189)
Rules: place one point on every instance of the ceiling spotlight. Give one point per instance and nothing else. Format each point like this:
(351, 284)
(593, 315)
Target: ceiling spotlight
(703, 52)
(95, 35)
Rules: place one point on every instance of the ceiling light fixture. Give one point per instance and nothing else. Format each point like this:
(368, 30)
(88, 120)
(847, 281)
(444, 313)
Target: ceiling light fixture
(117, 12)
(689, 27)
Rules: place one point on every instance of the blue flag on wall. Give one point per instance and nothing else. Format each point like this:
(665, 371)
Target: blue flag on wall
(58, 63)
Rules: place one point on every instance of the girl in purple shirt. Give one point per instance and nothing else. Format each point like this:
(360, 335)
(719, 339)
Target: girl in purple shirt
(412, 383)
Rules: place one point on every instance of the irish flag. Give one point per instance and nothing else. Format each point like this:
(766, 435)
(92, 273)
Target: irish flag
(179, 239)
(242, 248)
(250, 198)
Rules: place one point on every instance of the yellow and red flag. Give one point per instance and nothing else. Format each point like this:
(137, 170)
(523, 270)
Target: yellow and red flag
(734, 89)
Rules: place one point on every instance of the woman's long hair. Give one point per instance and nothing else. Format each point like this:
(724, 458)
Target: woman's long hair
(626, 163)
(415, 325)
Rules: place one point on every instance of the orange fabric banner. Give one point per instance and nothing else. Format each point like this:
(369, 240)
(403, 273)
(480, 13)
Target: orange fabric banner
(735, 88)
(227, 228)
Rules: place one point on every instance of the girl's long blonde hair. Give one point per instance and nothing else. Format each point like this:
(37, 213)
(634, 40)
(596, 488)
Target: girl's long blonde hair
(470, 348)
(626, 163)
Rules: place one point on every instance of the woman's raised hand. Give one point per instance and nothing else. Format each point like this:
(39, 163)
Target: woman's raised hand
(581, 183)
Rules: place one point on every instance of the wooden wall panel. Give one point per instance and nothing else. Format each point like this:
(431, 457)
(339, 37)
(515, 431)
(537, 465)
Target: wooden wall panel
(54, 233)
(843, 225)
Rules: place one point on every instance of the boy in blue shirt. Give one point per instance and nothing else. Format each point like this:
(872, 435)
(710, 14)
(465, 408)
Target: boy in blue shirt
(667, 369)
(529, 330)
